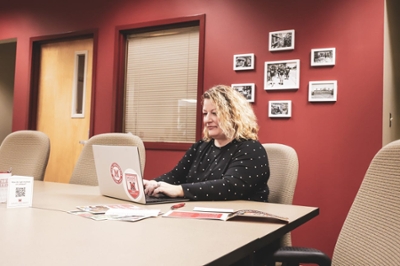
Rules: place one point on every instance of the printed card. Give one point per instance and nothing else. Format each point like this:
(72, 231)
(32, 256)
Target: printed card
(20, 191)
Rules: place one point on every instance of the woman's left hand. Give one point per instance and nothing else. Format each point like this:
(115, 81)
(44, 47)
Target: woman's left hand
(173, 191)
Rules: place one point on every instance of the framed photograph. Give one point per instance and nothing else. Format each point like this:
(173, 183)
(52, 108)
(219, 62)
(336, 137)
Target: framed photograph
(280, 108)
(323, 57)
(243, 61)
(281, 40)
(279, 75)
(247, 89)
(322, 91)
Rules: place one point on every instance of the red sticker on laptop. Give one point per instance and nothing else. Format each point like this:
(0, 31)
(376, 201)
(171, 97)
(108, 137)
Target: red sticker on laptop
(132, 184)
(116, 173)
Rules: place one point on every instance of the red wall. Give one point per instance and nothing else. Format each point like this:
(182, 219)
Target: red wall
(334, 141)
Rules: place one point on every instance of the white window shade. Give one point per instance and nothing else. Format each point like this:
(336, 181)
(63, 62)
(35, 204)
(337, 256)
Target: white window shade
(161, 85)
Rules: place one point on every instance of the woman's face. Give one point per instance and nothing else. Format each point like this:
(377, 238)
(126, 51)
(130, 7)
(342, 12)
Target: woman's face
(211, 121)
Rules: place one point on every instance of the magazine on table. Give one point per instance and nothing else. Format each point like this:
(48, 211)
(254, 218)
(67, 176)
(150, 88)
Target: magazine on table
(246, 214)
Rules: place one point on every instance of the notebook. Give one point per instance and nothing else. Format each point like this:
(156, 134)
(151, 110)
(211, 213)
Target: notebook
(119, 175)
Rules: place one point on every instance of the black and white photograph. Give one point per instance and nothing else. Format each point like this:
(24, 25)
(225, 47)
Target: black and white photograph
(279, 75)
(280, 108)
(243, 61)
(322, 91)
(247, 89)
(281, 40)
(323, 57)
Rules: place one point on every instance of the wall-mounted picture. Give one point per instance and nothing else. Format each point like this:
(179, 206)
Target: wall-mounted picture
(279, 75)
(322, 91)
(243, 61)
(247, 89)
(280, 108)
(281, 40)
(323, 57)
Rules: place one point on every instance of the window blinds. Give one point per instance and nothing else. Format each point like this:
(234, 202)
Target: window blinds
(161, 85)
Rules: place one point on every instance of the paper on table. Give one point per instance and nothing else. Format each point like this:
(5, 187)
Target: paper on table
(196, 215)
(4, 176)
(203, 209)
(20, 191)
(101, 209)
(128, 212)
(241, 214)
(118, 214)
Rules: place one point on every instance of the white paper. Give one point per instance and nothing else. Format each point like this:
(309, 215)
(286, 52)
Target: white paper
(4, 186)
(20, 191)
(203, 209)
(127, 212)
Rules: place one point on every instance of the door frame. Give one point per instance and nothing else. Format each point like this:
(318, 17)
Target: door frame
(9, 47)
(35, 48)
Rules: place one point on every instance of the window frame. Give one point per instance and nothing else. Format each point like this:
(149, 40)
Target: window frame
(75, 86)
(122, 33)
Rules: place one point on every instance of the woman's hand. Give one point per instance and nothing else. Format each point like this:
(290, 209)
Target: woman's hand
(172, 191)
(153, 188)
(149, 186)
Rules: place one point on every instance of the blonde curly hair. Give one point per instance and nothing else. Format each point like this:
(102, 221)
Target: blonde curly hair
(236, 116)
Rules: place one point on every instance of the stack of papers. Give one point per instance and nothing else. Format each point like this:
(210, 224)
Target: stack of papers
(116, 212)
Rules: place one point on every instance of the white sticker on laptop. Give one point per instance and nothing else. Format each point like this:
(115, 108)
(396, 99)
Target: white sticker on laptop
(132, 183)
(116, 173)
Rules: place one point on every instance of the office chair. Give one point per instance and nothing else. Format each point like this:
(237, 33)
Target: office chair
(26, 153)
(84, 172)
(370, 233)
(284, 168)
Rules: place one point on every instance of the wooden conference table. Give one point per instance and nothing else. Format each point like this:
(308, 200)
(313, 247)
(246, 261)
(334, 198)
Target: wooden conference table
(46, 235)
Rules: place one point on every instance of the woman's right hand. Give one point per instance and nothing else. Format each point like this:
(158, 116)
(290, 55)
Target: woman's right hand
(149, 186)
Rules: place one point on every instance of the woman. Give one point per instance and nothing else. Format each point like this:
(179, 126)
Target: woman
(229, 163)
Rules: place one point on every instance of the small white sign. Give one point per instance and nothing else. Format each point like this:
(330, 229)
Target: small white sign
(4, 176)
(20, 191)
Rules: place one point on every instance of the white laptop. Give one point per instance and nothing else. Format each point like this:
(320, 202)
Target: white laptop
(119, 175)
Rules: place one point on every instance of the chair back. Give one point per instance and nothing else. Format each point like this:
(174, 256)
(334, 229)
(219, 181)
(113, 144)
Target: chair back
(284, 168)
(84, 172)
(26, 152)
(370, 234)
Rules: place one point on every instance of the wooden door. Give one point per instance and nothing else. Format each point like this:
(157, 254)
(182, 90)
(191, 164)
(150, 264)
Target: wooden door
(57, 104)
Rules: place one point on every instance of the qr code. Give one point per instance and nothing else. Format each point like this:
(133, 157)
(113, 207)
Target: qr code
(19, 192)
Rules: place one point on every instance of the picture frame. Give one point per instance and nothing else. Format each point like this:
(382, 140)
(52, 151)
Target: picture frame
(322, 91)
(279, 75)
(281, 40)
(246, 89)
(323, 57)
(243, 62)
(280, 108)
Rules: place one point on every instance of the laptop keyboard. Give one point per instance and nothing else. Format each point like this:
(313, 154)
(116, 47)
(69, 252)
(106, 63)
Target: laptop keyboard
(162, 199)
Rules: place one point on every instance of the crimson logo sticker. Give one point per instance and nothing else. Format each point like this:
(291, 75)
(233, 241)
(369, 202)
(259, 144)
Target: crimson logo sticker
(116, 173)
(132, 184)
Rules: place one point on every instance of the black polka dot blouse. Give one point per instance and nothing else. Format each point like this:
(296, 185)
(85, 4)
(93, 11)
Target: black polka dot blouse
(239, 170)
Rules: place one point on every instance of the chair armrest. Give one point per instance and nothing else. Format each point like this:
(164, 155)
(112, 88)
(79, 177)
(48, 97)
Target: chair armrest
(297, 255)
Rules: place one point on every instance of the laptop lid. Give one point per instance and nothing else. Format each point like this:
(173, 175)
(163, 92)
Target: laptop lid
(118, 172)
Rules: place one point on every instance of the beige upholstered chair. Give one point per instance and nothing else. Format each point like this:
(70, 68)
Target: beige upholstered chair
(26, 152)
(284, 167)
(370, 233)
(84, 172)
